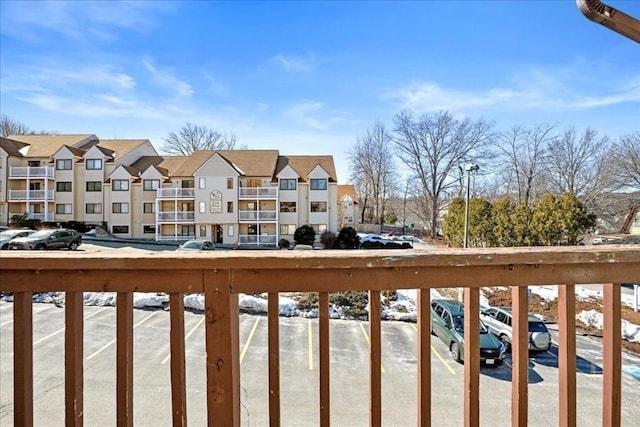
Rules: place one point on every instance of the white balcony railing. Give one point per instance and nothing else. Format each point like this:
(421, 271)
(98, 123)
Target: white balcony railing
(253, 216)
(31, 195)
(258, 193)
(46, 217)
(39, 172)
(175, 216)
(254, 239)
(176, 193)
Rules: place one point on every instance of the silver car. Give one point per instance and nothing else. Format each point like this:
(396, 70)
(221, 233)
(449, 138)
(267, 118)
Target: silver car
(7, 235)
(498, 320)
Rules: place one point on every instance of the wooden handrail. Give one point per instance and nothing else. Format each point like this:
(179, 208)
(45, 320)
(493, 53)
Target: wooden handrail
(221, 276)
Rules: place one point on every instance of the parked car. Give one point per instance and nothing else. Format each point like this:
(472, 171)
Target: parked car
(447, 322)
(197, 245)
(8, 235)
(48, 239)
(376, 241)
(498, 320)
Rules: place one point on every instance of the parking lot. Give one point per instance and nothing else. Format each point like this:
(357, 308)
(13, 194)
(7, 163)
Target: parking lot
(299, 373)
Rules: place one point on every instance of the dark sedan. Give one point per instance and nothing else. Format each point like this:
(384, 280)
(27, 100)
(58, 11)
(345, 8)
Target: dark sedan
(48, 239)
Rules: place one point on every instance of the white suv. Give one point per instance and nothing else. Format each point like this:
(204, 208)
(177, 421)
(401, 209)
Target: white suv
(498, 321)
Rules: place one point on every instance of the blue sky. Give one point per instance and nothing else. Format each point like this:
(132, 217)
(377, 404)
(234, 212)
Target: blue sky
(311, 77)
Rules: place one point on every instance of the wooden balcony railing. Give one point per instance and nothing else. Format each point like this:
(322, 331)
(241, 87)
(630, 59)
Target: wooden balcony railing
(221, 276)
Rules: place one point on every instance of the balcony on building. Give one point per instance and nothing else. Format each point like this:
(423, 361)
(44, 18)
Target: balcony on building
(30, 195)
(175, 217)
(175, 193)
(35, 172)
(253, 193)
(257, 216)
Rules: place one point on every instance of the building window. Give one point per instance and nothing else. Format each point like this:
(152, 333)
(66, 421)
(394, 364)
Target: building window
(63, 164)
(149, 207)
(319, 228)
(93, 164)
(229, 207)
(94, 186)
(202, 207)
(202, 183)
(203, 231)
(287, 206)
(63, 187)
(121, 208)
(150, 184)
(149, 229)
(120, 185)
(63, 208)
(188, 183)
(230, 230)
(93, 208)
(120, 229)
(288, 229)
(318, 184)
(229, 183)
(288, 184)
(318, 206)
(188, 230)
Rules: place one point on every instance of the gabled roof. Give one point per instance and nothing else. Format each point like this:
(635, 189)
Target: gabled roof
(145, 162)
(348, 190)
(12, 147)
(303, 165)
(252, 162)
(119, 147)
(47, 145)
(184, 165)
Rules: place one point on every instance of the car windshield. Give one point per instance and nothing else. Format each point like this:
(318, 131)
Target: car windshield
(458, 324)
(40, 234)
(192, 245)
(9, 233)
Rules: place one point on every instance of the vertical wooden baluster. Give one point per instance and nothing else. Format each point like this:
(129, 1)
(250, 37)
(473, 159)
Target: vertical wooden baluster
(325, 388)
(73, 358)
(567, 354)
(471, 357)
(23, 359)
(178, 381)
(124, 350)
(222, 346)
(424, 357)
(375, 361)
(274, 359)
(520, 356)
(612, 358)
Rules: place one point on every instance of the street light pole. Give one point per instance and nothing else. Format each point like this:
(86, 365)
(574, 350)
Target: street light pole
(469, 168)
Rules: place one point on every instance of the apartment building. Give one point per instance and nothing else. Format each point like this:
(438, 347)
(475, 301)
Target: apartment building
(252, 197)
(348, 206)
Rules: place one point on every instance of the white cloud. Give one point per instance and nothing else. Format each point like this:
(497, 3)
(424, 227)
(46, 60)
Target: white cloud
(534, 89)
(295, 63)
(314, 115)
(165, 78)
(79, 20)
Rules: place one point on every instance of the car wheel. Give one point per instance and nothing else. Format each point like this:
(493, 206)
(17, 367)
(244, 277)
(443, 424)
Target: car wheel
(4, 247)
(73, 246)
(455, 352)
(505, 341)
(40, 248)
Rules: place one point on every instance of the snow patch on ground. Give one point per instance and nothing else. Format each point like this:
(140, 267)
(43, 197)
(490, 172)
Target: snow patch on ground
(595, 319)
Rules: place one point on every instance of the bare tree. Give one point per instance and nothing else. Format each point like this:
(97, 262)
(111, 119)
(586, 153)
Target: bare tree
(433, 147)
(191, 138)
(372, 167)
(524, 154)
(8, 126)
(625, 161)
(577, 164)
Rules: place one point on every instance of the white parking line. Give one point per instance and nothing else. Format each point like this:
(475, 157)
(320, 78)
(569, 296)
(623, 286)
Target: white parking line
(35, 312)
(62, 329)
(166, 359)
(114, 340)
